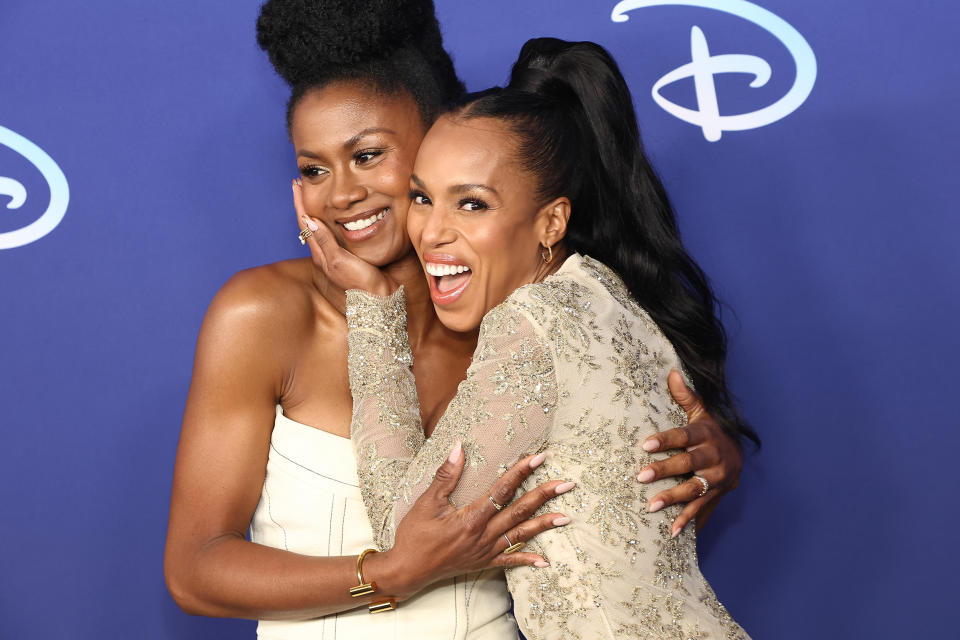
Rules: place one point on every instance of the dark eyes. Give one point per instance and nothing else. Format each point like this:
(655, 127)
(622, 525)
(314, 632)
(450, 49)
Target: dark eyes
(312, 171)
(473, 204)
(419, 197)
(467, 204)
(360, 158)
(366, 156)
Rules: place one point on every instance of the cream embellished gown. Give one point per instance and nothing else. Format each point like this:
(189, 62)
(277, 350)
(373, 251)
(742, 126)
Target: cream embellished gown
(310, 504)
(574, 367)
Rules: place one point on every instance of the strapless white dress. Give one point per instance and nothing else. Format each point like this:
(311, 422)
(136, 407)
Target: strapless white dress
(311, 504)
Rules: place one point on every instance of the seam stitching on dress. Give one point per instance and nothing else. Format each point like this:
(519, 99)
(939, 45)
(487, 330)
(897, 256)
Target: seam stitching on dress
(270, 515)
(355, 486)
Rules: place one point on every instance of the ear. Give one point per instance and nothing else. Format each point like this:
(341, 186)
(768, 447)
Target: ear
(554, 216)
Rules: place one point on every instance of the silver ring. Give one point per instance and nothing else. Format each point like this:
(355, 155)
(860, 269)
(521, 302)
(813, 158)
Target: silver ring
(512, 547)
(703, 481)
(496, 504)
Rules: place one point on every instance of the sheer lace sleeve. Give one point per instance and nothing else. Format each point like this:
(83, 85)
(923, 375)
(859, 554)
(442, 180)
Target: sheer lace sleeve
(501, 412)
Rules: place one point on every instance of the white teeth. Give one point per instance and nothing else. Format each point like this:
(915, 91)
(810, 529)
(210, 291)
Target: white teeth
(435, 269)
(357, 225)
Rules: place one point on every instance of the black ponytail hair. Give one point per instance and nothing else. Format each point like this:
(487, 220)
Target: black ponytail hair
(392, 46)
(572, 113)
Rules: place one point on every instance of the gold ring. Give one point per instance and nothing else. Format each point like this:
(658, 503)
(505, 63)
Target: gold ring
(306, 233)
(497, 505)
(703, 481)
(512, 547)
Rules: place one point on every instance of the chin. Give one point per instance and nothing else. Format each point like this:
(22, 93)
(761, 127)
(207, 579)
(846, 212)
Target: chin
(459, 322)
(381, 255)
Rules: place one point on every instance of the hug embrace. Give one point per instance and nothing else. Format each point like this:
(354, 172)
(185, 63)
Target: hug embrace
(488, 344)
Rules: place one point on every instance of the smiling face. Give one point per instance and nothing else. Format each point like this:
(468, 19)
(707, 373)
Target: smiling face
(355, 151)
(475, 220)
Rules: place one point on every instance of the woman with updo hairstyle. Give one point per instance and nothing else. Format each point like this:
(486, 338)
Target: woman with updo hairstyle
(538, 220)
(264, 445)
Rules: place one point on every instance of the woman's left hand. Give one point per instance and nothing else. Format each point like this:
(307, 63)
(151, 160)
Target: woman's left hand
(708, 452)
(341, 267)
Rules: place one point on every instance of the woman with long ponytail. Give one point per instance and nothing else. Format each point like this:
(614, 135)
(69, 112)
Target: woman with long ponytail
(538, 219)
(625, 219)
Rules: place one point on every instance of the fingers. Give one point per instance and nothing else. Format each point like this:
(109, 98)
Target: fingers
(298, 199)
(522, 533)
(518, 559)
(446, 478)
(684, 492)
(684, 395)
(691, 511)
(678, 438)
(527, 529)
(322, 244)
(506, 486)
(524, 507)
(680, 463)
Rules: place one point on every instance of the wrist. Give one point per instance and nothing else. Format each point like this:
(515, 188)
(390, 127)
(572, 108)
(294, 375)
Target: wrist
(391, 578)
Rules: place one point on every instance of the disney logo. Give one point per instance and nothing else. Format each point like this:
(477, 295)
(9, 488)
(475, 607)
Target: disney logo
(703, 67)
(59, 192)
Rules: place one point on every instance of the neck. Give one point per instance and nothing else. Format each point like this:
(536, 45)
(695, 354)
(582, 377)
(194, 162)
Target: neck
(549, 268)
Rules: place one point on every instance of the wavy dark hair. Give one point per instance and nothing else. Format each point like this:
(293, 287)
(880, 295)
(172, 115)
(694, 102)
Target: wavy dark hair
(572, 114)
(392, 46)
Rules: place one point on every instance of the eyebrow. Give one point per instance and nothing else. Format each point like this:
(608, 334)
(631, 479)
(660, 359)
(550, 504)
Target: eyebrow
(366, 132)
(352, 142)
(460, 188)
(457, 188)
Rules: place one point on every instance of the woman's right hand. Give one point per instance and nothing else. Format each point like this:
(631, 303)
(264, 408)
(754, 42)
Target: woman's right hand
(437, 540)
(341, 267)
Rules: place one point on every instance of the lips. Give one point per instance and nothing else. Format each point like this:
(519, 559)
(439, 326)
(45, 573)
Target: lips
(448, 278)
(363, 225)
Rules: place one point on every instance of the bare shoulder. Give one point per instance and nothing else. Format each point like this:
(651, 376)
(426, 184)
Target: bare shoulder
(262, 310)
(268, 293)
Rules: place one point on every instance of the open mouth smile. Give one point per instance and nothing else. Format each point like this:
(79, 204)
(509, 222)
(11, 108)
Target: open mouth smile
(363, 225)
(448, 278)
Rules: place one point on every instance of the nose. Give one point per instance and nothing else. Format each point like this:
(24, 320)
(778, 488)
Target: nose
(345, 190)
(435, 227)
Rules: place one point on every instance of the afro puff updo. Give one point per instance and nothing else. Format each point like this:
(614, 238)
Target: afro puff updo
(394, 46)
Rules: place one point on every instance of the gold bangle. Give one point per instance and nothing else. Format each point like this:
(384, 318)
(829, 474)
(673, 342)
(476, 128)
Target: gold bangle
(364, 588)
(379, 607)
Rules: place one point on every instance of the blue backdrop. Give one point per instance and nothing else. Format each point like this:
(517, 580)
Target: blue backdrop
(828, 232)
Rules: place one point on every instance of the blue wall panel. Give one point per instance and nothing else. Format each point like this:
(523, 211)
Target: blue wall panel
(831, 234)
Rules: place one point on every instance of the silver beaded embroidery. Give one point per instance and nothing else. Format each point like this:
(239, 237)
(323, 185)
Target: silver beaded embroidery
(573, 366)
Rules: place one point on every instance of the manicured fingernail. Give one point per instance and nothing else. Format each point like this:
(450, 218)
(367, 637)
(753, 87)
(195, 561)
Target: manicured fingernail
(537, 460)
(651, 445)
(559, 522)
(541, 564)
(455, 452)
(656, 506)
(676, 532)
(645, 476)
(313, 225)
(566, 486)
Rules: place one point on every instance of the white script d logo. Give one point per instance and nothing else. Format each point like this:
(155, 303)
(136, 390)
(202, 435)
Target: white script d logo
(59, 192)
(703, 67)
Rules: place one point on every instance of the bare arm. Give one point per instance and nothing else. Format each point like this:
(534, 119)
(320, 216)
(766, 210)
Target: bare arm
(211, 569)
